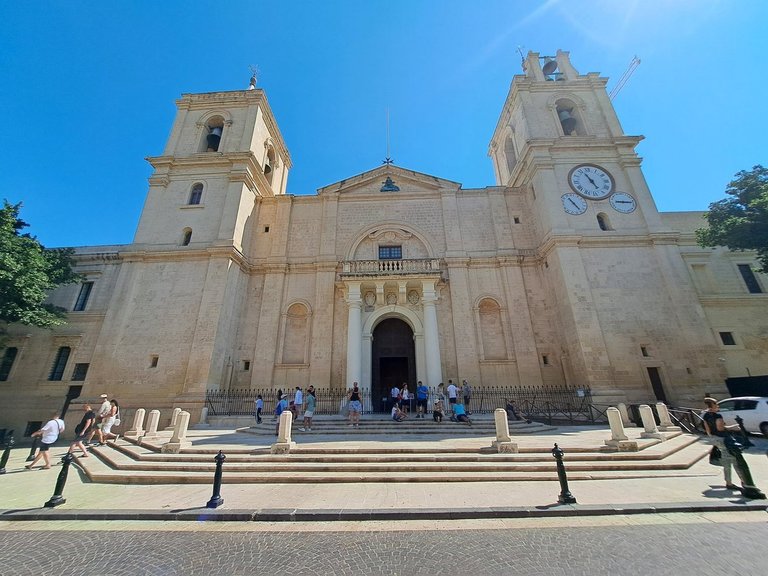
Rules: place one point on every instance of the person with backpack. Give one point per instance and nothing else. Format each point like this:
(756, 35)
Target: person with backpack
(48, 435)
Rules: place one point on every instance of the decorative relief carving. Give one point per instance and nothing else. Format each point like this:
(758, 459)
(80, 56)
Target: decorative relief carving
(391, 298)
(413, 297)
(370, 298)
(390, 235)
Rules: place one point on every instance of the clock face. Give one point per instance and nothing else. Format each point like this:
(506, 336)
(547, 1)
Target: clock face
(623, 202)
(591, 181)
(573, 203)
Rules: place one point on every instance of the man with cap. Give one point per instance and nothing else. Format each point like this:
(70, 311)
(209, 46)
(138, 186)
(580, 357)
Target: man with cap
(100, 415)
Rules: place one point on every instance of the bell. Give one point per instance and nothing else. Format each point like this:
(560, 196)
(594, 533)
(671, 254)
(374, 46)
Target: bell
(267, 166)
(567, 121)
(549, 66)
(214, 138)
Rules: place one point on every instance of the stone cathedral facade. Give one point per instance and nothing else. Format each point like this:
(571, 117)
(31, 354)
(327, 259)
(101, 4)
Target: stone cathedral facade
(563, 272)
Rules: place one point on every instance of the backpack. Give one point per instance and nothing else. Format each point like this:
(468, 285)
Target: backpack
(279, 408)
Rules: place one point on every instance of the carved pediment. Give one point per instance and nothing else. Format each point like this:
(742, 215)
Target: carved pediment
(392, 181)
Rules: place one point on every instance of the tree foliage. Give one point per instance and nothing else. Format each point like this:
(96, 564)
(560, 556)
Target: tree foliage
(28, 272)
(740, 221)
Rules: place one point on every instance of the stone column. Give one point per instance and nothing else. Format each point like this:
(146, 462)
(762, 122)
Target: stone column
(354, 334)
(649, 424)
(179, 437)
(503, 442)
(174, 417)
(138, 425)
(152, 421)
(284, 443)
(665, 422)
(431, 334)
(624, 414)
(619, 440)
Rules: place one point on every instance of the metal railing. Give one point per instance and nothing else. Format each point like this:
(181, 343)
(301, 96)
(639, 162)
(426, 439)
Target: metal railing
(551, 404)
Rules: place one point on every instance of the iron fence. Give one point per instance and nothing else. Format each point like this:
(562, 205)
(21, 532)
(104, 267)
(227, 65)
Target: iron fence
(551, 404)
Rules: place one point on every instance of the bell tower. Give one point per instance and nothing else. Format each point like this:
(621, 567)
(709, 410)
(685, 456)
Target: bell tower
(224, 152)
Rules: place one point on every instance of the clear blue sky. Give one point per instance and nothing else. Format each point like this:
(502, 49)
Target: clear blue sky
(88, 90)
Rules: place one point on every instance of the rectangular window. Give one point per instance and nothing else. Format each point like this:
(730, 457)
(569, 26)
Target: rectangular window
(644, 351)
(246, 365)
(750, 279)
(727, 338)
(57, 370)
(153, 361)
(7, 363)
(82, 298)
(545, 359)
(390, 252)
(79, 372)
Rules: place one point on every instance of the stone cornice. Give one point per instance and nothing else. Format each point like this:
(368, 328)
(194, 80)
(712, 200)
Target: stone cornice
(737, 300)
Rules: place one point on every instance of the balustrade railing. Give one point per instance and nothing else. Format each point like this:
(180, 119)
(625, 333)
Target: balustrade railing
(390, 267)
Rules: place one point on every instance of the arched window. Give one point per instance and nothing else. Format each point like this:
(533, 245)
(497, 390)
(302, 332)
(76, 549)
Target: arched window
(491, 331)
(570, 121)
(270, 163)
(603, 222)
(196, 194)
(214, 128)
(186, 237)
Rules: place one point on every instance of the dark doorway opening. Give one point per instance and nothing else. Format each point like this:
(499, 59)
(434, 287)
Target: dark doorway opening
(658, 387)
(393, 361)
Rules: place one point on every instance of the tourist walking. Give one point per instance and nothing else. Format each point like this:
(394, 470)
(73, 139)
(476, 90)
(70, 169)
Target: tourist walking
(730, 451)
(111, 419)
(298, 400)
(48, 435)
(82, 430)
(466, 391)
(259, 408)
(280, 407)
(355, 403)
(422, 395)
(310, 409)
(101, 413)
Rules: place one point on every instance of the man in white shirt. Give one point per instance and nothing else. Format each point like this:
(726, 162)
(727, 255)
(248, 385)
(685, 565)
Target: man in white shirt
(394, 396)
(298, 402)
(452, 392)
(48, 436)
(101, 413)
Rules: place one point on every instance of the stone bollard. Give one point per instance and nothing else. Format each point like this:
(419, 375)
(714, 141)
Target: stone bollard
(204, 417)
(174, 418)
(7, 452)
(619, 440)
(179, 438)
(284, 443)
(216, 500)
(665, 421)
(57, 499)
(649, 424)
(624, 414)
(503, 442)
(137, 430)
(565, 494)
(152, 422)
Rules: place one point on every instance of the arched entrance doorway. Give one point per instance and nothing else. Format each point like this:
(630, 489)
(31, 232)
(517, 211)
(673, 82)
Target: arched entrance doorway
(393, 360)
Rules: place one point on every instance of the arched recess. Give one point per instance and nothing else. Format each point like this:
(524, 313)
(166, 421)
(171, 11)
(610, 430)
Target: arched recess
(296, 328)
(490, 325)
(570, 112)
(389, 232)
(510, 156)
(270, 162)
(213, 130)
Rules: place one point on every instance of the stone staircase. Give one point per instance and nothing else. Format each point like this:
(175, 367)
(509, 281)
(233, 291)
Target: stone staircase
(363, 456)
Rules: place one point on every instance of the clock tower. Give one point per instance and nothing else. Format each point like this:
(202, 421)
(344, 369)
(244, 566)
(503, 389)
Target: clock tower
(611, 270)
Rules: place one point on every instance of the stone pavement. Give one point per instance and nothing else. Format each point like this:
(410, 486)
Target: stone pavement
(22, 492)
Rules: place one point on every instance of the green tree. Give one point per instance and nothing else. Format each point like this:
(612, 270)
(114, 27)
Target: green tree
(28, 272)
(740, 221)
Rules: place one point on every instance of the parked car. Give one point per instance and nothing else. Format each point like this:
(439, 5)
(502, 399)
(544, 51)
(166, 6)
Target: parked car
(753, 409)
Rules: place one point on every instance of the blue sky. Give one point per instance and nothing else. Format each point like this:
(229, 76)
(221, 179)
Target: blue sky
(88, 90)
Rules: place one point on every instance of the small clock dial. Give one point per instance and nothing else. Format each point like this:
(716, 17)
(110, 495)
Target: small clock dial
(591, 181)
(573, 203)
(623, 202)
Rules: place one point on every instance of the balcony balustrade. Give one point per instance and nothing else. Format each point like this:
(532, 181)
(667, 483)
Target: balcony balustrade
(390, 267)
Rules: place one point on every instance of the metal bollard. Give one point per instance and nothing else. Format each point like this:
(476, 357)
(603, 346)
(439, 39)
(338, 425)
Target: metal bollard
(747, 442)
(565, 495)
(7, 452)
(216, 500)
(32, 450)
(56, 499)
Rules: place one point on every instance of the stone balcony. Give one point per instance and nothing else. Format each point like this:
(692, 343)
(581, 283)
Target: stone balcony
(415, 267)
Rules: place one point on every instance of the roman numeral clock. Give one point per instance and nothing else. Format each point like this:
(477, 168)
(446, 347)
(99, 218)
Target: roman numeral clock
(592, 182)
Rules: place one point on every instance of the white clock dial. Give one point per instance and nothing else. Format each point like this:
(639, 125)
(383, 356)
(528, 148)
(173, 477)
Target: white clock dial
(623, 202)
(591, 181)
(573, 203)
